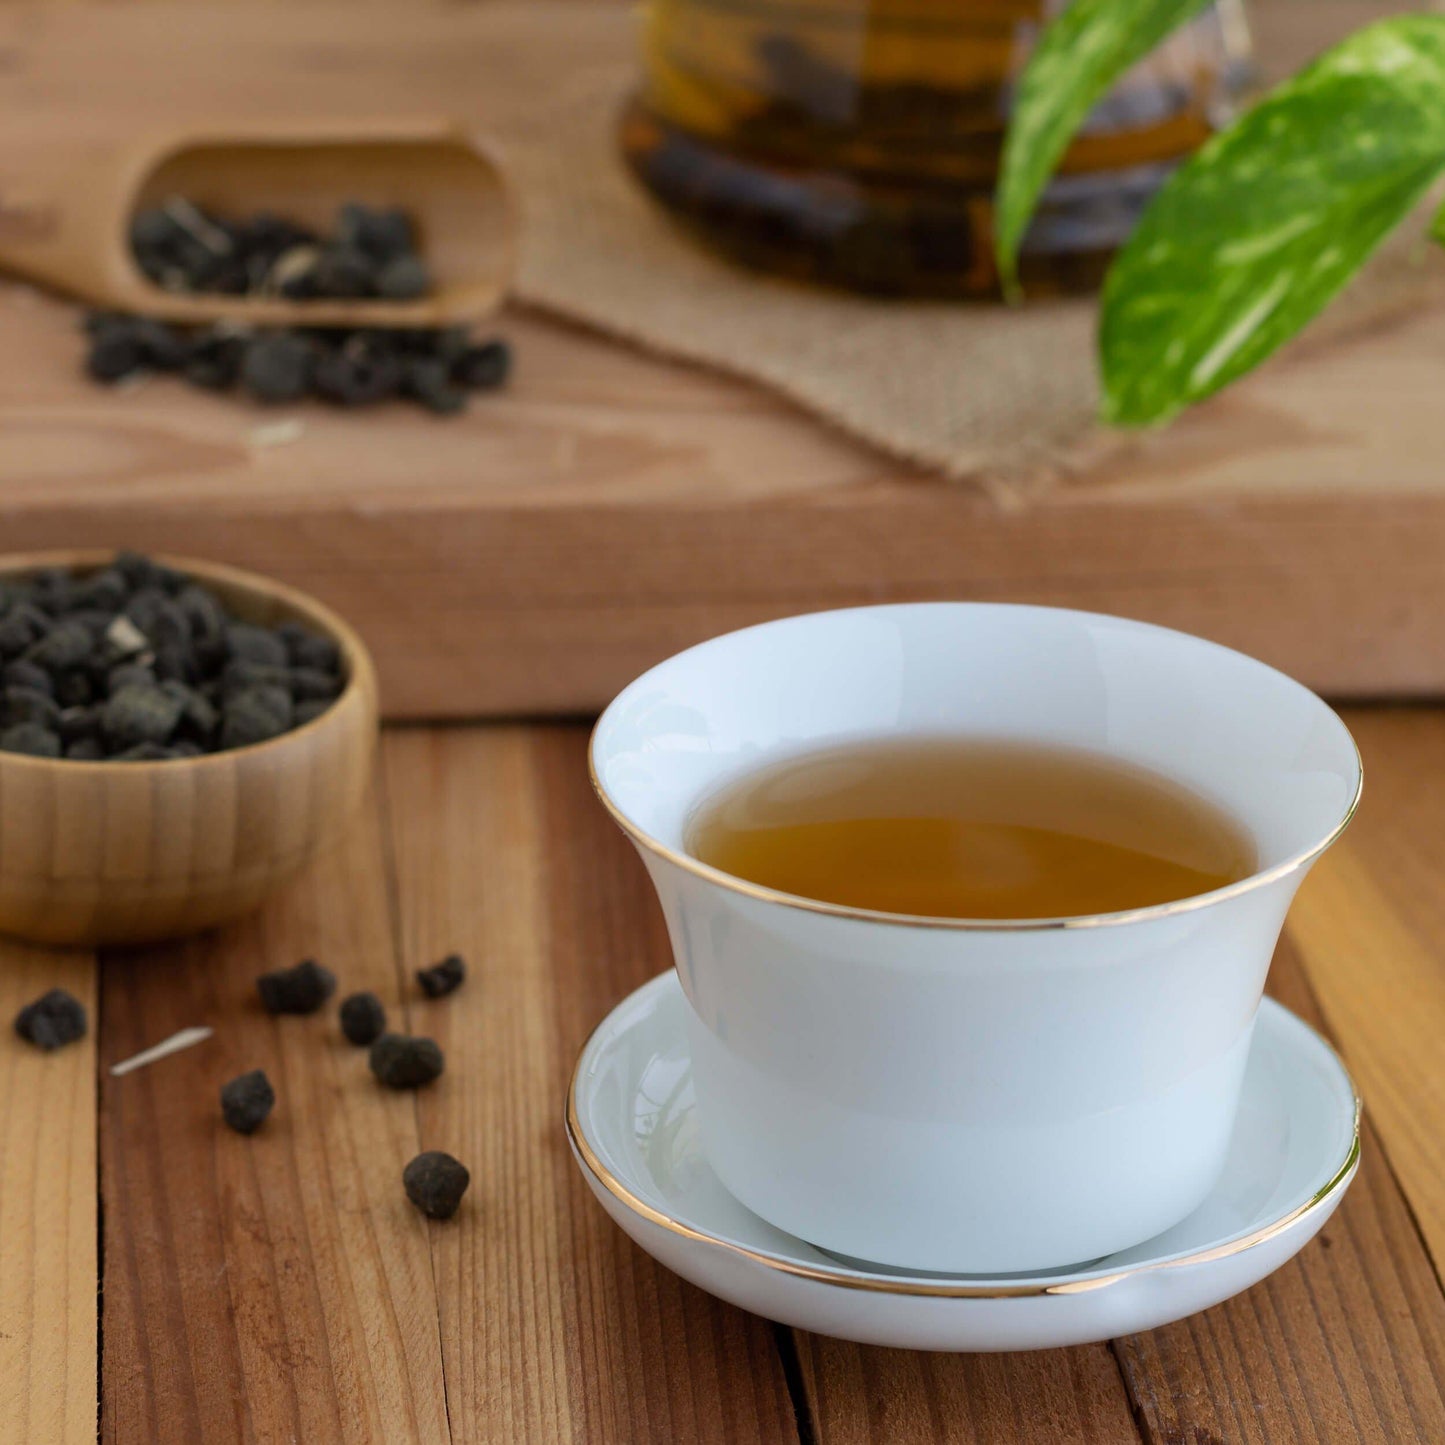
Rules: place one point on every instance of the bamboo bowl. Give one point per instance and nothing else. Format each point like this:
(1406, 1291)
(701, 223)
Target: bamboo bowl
(107, 853)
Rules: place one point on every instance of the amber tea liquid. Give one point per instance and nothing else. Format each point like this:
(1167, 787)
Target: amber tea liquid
(967, 828)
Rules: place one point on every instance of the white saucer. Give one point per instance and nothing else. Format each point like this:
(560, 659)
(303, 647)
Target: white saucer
(633, 1128)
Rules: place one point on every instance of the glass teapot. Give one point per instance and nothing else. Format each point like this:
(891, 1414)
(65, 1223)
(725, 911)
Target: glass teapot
(856, 142)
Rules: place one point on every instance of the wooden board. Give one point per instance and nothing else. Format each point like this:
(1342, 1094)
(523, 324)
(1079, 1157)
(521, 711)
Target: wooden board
(612, 508)
(276, 1286)
(280, 1286)
(48, 1210)
(554, 1327)
(1346, 1342)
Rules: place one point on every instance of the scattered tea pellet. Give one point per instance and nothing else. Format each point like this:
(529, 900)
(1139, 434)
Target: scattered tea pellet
(381, 233)
(485, 367)
(278, 367)
(405, 1063)
(248, 643)
(32, 739)
(74, 688)
(255, 716)
(53, 1020)
(21, 625)
(114, 355)
(442, 978)
(363, 1019)
(370, 253)
(139, 713)
(30, 705)
(22, 673)
(429, 380)
(308, 711)
(309, 649)
(404, 279)
(214, 363)
(247, 1100)
(299, 990)
(357, 375)
(435, 1183)
(66, 644)
(104, 591)
(310, 684)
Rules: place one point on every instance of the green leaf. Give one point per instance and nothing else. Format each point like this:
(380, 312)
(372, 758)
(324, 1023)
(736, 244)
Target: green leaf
(1257, 232)
(1437, 227)
(1075, 64)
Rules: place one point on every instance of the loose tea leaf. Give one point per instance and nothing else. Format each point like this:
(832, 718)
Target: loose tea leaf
(52, 1021)
(1077, 60)
(299, 990)
(442, 978)
(435, 1183)
(363, 1019)
(370, 254)
(1253, 236)
(32, 739)
(247, 1101)
(400, 1062)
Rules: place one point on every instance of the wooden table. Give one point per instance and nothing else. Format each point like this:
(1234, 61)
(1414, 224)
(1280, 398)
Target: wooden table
(280, 1287)
(610, 508)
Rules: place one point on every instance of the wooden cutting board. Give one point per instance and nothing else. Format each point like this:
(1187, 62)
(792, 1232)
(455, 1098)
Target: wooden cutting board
(610, 508)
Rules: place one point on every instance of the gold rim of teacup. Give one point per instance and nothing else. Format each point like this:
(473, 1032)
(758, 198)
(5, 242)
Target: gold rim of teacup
(939, 1289)
(360, 670)
(762, 894)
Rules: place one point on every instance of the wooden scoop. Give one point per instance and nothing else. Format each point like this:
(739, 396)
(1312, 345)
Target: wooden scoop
(64, 221)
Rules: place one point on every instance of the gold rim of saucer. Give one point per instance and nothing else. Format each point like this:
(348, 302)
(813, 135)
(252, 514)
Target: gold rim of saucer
(757, 891)
(907, 1286)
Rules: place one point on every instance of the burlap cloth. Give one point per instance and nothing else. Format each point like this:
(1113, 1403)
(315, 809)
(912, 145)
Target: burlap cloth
(1003, 396)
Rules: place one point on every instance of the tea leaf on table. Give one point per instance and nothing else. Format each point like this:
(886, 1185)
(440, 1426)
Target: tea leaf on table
(1078, 59)
(1252, 237)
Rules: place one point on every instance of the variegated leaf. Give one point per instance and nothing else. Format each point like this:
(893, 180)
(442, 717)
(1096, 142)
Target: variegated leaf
(1256, 233)
(1078, 58)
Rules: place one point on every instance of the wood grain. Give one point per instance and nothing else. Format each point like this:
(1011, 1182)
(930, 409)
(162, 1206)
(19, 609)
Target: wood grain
(49, 1272)
(1371, 927)
(554, 1327)
(111, 853)
(611, 508)
(862, 1395)
(278, 1286)
(1345, 1343)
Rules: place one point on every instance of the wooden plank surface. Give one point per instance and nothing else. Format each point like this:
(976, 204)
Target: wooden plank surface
(554, 1326)
(1345, 1343)
(49, 1272)
(279, 1286)
(275, 1287)
(1371, 925)
(863, 1395)
(611, 508)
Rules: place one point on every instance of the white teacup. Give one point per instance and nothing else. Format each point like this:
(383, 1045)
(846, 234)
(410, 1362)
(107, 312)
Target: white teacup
(959, 1096)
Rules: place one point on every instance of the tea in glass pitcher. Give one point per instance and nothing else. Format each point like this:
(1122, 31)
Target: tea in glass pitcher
(857, 142)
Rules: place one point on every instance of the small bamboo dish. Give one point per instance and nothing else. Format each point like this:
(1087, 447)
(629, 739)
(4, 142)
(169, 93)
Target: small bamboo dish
(96, 854)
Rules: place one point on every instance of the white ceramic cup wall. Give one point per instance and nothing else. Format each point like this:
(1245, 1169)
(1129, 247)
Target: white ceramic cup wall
(956, 1096)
